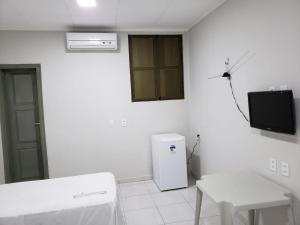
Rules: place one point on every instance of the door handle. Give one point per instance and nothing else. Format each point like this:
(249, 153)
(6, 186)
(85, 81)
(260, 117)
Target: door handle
(37, 124)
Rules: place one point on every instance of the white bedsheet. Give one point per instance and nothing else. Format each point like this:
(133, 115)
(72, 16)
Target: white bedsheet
(80, 200)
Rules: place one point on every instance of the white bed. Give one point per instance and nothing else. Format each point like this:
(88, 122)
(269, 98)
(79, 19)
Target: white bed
(80, 200)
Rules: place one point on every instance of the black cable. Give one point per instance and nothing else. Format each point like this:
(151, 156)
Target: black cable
(191, 156)
(236, 103)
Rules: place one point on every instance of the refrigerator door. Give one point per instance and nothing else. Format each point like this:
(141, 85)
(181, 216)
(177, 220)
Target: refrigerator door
(172, 161)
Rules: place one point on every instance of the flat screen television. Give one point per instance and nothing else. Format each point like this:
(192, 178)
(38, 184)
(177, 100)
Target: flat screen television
(272, 110)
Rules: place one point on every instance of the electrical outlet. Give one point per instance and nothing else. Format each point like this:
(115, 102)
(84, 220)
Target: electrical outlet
(124, 123)
(273, 165)
(285, 169)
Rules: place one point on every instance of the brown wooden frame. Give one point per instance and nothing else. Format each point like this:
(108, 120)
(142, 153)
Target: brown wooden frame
(156, 67)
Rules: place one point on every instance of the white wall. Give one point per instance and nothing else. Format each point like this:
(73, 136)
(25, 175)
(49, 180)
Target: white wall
(271, 30)
(81, 93)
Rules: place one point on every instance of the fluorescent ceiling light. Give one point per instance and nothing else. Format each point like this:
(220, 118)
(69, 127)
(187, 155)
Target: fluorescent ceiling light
(86, 3)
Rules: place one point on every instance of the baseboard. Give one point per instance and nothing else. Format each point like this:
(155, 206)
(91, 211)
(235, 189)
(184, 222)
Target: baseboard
(144, 178)
(134, 179)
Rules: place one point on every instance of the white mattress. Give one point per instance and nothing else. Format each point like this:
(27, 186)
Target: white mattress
(80, 200)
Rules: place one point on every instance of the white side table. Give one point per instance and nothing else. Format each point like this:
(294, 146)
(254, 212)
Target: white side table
(242, 191)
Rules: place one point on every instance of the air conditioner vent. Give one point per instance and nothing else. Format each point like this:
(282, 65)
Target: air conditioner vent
(92, 41)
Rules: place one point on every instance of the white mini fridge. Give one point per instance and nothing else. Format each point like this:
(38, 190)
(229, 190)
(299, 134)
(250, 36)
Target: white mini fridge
(169, 161)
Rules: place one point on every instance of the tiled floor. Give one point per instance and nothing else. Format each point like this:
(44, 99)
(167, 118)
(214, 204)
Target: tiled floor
(143, 204)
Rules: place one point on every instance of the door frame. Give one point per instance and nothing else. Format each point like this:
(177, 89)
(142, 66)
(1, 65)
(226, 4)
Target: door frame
(7, 168)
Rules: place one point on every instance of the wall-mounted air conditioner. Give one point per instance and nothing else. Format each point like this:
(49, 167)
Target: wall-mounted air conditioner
(92, 41)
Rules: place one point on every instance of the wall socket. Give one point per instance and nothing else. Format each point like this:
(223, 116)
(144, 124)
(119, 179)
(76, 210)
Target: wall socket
(285, 169)
(124, 123)
(273, 165)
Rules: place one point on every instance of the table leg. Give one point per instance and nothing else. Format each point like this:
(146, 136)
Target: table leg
(251, 217)
(225, 214)
(198, 206)
(291, 215)
(257, 216)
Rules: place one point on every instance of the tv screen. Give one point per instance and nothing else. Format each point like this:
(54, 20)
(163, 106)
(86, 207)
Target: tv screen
(272, 110)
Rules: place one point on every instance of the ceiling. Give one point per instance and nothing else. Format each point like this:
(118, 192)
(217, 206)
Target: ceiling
(130, 15)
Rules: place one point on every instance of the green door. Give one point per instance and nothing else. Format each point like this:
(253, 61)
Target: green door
(23, 124)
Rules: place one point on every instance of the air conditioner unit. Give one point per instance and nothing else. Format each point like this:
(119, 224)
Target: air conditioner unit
(92, 41)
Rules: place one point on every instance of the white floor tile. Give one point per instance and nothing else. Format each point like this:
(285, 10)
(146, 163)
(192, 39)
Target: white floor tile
(176, 212)
(189, 194)
(209, 208)
(151, 186)
(182, 223)
(203, 221)
(210, 221)
(144, 217)
(137, 202)
(167, 198)
(128, 190)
